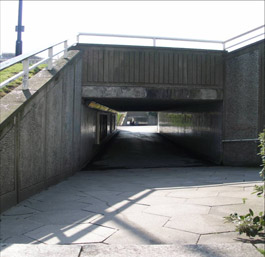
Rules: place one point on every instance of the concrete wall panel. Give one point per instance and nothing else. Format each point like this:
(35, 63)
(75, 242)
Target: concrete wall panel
(54, 130)
(241, 99)
(234, 151)
(7, 160)
(68, 119)
(243, 105)
(88, 133)
(149, 65)
(40, 131)
(77, 116)
(199, 132)
(31, 134)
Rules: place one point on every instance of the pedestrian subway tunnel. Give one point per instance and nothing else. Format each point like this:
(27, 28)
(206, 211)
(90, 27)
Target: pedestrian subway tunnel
(162, 139)
(49, 131)
(185, 88)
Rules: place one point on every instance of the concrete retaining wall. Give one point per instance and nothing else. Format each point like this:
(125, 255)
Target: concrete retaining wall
(199, 131)
(243, 105)
(40, 132)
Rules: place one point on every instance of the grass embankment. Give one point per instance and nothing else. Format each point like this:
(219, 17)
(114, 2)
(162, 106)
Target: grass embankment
(120, 118)
(11, 71)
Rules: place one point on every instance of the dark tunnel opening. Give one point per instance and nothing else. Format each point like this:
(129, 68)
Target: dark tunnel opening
(181, 134)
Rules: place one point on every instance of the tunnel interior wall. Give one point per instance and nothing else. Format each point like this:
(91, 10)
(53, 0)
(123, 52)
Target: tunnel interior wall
(88, 133)
(96, 127)
(243, 105)
(197, 131)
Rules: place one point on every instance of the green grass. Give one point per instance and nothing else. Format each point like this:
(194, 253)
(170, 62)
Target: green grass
(11, 71)
(119, 118)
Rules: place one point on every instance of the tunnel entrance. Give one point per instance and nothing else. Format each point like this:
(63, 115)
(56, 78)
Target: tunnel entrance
(140, 145)
(162, 134)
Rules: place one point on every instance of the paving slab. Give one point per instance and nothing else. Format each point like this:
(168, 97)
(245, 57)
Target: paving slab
(215, 200)
(213, 250)
(131, 221)
(220, 188)
(171, 210)
(136, 206)
(23, 250)
(20, 239)
(256, 206)
(158, 200)
(188, 193)
(239, 194)
(200, 223)
(13, 227)
(221, 238)
(62, 218)
(19, 210)
(73, 234)
(53, 205)
(156, 235)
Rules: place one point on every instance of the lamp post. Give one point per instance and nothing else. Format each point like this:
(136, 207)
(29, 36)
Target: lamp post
(19, 30)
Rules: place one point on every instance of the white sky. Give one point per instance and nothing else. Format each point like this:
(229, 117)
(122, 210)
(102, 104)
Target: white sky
(47, 22)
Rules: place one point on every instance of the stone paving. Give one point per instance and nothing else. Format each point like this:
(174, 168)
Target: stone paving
(168, 206)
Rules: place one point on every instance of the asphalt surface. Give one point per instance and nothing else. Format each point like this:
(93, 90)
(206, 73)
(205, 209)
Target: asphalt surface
(131, 149)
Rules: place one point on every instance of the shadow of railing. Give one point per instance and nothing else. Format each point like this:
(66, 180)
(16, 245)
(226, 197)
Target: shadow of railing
(96, 198)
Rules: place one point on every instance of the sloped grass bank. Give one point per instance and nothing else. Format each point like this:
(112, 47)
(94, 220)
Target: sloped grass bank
(11, 71)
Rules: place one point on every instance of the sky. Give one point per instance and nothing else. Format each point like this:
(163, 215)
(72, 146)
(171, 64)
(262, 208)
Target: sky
(47, 22)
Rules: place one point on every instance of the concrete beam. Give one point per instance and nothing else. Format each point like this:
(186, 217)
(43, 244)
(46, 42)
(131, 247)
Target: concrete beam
(166, 93)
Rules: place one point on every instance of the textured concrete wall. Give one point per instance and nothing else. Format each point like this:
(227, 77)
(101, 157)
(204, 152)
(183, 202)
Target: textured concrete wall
(88, 134)
(136, 65)
(243, 104)
(118, 76)
(40, 131)
(197, 131)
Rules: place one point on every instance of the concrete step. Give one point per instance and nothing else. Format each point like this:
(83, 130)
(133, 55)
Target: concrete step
(101, 250)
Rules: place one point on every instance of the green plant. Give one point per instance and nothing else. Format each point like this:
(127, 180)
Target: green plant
(262, 154)
(249, 223)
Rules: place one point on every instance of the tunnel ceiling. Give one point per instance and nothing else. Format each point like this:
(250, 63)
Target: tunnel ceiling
(157, 105)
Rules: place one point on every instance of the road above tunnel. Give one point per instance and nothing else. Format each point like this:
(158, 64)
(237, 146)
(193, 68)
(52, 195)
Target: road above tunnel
(142, 147)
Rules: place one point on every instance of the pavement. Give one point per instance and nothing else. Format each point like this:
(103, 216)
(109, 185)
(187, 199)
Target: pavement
(141, 147)
(171, 211)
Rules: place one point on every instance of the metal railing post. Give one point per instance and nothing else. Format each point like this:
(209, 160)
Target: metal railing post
(154, 41)
(65, 49)
(223, 46)
(25, 79)
(50, 55)
(77, 38)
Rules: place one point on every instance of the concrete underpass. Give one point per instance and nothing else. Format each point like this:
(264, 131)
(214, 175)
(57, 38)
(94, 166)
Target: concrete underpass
(69, 178)
(141, 147)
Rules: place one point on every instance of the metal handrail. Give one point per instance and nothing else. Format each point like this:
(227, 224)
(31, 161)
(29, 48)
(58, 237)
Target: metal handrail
(154, 38)
(25, 57)
(233, 38)
(241, 42)
(244, 34)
